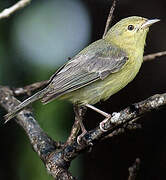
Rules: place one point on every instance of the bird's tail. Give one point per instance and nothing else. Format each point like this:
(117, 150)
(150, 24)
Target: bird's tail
(25, 103)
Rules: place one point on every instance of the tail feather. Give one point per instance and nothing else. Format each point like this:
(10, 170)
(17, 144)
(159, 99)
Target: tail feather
(25, 103)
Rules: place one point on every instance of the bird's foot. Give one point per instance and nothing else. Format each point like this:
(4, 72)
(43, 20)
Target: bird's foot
(79, 138)
(102, 124)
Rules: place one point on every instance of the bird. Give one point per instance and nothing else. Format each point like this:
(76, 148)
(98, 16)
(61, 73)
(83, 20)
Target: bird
(98, 71)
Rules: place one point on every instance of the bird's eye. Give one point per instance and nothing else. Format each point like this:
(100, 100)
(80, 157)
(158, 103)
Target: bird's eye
(130, 27)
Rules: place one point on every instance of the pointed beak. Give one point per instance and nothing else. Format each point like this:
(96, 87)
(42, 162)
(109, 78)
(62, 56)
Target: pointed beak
(148, 23)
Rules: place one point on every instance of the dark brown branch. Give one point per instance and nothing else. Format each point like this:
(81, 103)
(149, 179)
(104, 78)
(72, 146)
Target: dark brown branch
(30, 88)
(41, 142)
(109, 18)
(117, 121)
(154, 55)
(126, 116)
(133, 170)
(79, 113)
(28, 123)
(131, 126)
(57, 158)
(74, 132)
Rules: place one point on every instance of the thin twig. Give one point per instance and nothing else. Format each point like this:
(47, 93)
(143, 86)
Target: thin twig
(74, 132)
(133, 170)
(29, 88)
(9, 11)
(109, 18)
(154, 55)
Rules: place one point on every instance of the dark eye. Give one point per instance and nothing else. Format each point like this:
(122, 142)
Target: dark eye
(130, 27)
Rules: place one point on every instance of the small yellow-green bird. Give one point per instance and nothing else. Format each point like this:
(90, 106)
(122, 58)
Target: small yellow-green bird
(100, 70)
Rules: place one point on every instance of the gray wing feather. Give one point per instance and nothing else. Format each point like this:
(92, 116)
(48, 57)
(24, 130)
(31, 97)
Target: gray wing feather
(84, 69)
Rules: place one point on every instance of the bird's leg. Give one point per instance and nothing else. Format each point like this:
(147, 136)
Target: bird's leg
(79, 112)
(106, 115)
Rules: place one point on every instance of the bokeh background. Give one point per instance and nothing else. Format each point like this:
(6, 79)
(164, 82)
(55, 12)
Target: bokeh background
(35, 41)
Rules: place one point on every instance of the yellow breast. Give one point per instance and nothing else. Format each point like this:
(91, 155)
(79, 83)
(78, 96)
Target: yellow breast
(103, 89)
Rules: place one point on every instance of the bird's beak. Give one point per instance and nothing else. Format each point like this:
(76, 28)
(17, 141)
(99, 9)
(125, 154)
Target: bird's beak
(149, 22)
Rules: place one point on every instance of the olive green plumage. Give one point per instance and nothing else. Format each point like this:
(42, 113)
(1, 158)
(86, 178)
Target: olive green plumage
(101, 69)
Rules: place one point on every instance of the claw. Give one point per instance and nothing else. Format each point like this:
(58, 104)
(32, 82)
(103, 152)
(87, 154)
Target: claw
(79, 138)
(102, 124)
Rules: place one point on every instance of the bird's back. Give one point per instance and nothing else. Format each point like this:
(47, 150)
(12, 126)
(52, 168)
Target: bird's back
(72, 82)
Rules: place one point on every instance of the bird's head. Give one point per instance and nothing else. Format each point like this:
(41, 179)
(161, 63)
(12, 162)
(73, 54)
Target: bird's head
(130, 32)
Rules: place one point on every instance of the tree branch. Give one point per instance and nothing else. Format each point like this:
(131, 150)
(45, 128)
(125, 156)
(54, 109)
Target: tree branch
(109, 18)
(9, 11)
(133, 170)
(126, 117)
(29, 88)
(57, 156)
(74, 131)
(154, 55)
(41, 142)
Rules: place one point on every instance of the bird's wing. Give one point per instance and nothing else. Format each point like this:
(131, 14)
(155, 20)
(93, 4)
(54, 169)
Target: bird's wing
(88, 66)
